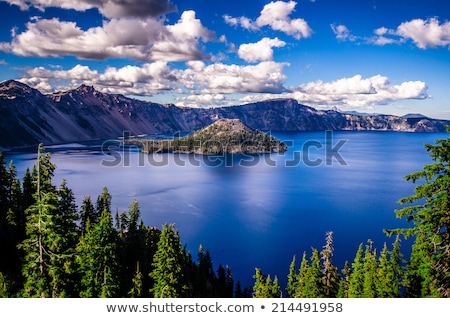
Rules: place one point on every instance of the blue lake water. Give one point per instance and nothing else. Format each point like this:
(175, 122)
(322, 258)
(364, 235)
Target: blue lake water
(258, 211)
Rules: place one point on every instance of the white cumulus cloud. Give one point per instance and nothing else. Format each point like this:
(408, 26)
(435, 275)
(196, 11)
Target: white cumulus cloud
(425, 34)
(353, 92)
(275, 15)
(145, 40)
(259, 51)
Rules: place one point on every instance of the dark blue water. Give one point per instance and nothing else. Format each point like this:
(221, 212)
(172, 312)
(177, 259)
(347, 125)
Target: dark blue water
(259, 211)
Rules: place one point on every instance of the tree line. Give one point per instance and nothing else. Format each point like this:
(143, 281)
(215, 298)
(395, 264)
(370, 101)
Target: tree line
(50, 248)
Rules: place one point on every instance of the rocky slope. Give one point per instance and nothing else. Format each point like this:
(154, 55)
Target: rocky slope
(29, 117)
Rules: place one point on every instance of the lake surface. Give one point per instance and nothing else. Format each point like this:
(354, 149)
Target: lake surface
(258, 211)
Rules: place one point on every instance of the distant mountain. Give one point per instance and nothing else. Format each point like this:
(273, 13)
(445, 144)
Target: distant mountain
(414, 116)
(222, 136)
(29, 117)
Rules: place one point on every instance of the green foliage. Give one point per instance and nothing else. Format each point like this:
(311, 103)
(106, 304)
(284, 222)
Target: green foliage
(429, 211)
(356, 282)
(223, 136)
(264, 287)
(168, 265)
(97, 259)
(330, 273)
(4, 286)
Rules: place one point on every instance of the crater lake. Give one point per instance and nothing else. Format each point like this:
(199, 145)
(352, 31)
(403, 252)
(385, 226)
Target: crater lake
(259, 210)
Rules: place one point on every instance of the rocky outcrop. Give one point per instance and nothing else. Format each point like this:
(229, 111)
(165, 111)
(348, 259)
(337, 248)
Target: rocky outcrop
(29, 117)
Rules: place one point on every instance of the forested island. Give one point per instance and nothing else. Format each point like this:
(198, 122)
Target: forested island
(225, 136)
(52, 248)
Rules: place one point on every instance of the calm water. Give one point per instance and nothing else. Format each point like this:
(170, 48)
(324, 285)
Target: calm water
(261, 212)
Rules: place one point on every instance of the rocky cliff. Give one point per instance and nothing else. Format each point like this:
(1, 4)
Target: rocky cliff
(29, 117)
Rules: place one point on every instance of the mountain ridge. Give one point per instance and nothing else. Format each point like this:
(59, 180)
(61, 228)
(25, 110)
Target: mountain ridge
(30, 117)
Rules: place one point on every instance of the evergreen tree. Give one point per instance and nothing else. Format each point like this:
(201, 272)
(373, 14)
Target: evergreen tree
(356, 282)
(345, 282)
(292, 281)
(88, 213)
(168, 266)
(42, 247)
(314, 287)
(259, 288)
(330, 273)
(276, 288)
(103, 204)
(389, 272)
(300, 291)
(36, 247)
(370, 272)
(97, 259)
(418, 280)
(137, 285)
(431, 213)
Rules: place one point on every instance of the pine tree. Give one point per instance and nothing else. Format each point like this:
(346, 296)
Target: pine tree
(345, 282)
(330, 273)
(259, 288)
(41, 246)
(168, 266)
(292, 278)
(97, 259)
(36, 247)
(103, 204)
(356, 282)
(300, 290)
(418, 280)
(389, 271)
(88, 214)
(314, 287)
(137, 285)
(370, 272)
(276, 288)
(431, 213)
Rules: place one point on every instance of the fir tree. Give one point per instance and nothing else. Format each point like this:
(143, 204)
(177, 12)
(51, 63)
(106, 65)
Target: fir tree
(314, 287)
(345, 282)
(97, 259)
(168, 266)
(292, 281)
(356, 282)
(300, 290)
(431, 213)
(418, 280)
(88, 214)
(330, 273)
(370, 272)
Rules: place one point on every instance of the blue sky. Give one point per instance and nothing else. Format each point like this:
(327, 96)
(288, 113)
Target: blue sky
(383, 56)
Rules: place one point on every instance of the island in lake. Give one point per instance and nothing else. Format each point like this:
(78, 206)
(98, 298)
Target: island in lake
(225, 136)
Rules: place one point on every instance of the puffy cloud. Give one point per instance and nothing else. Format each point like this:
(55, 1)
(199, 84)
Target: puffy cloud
(424, 33)
(276, 16)
(218, 84)
(109, 8)
(354, 92)
(218, 78)
(259, 51)
(198, 79)
(145, 40)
